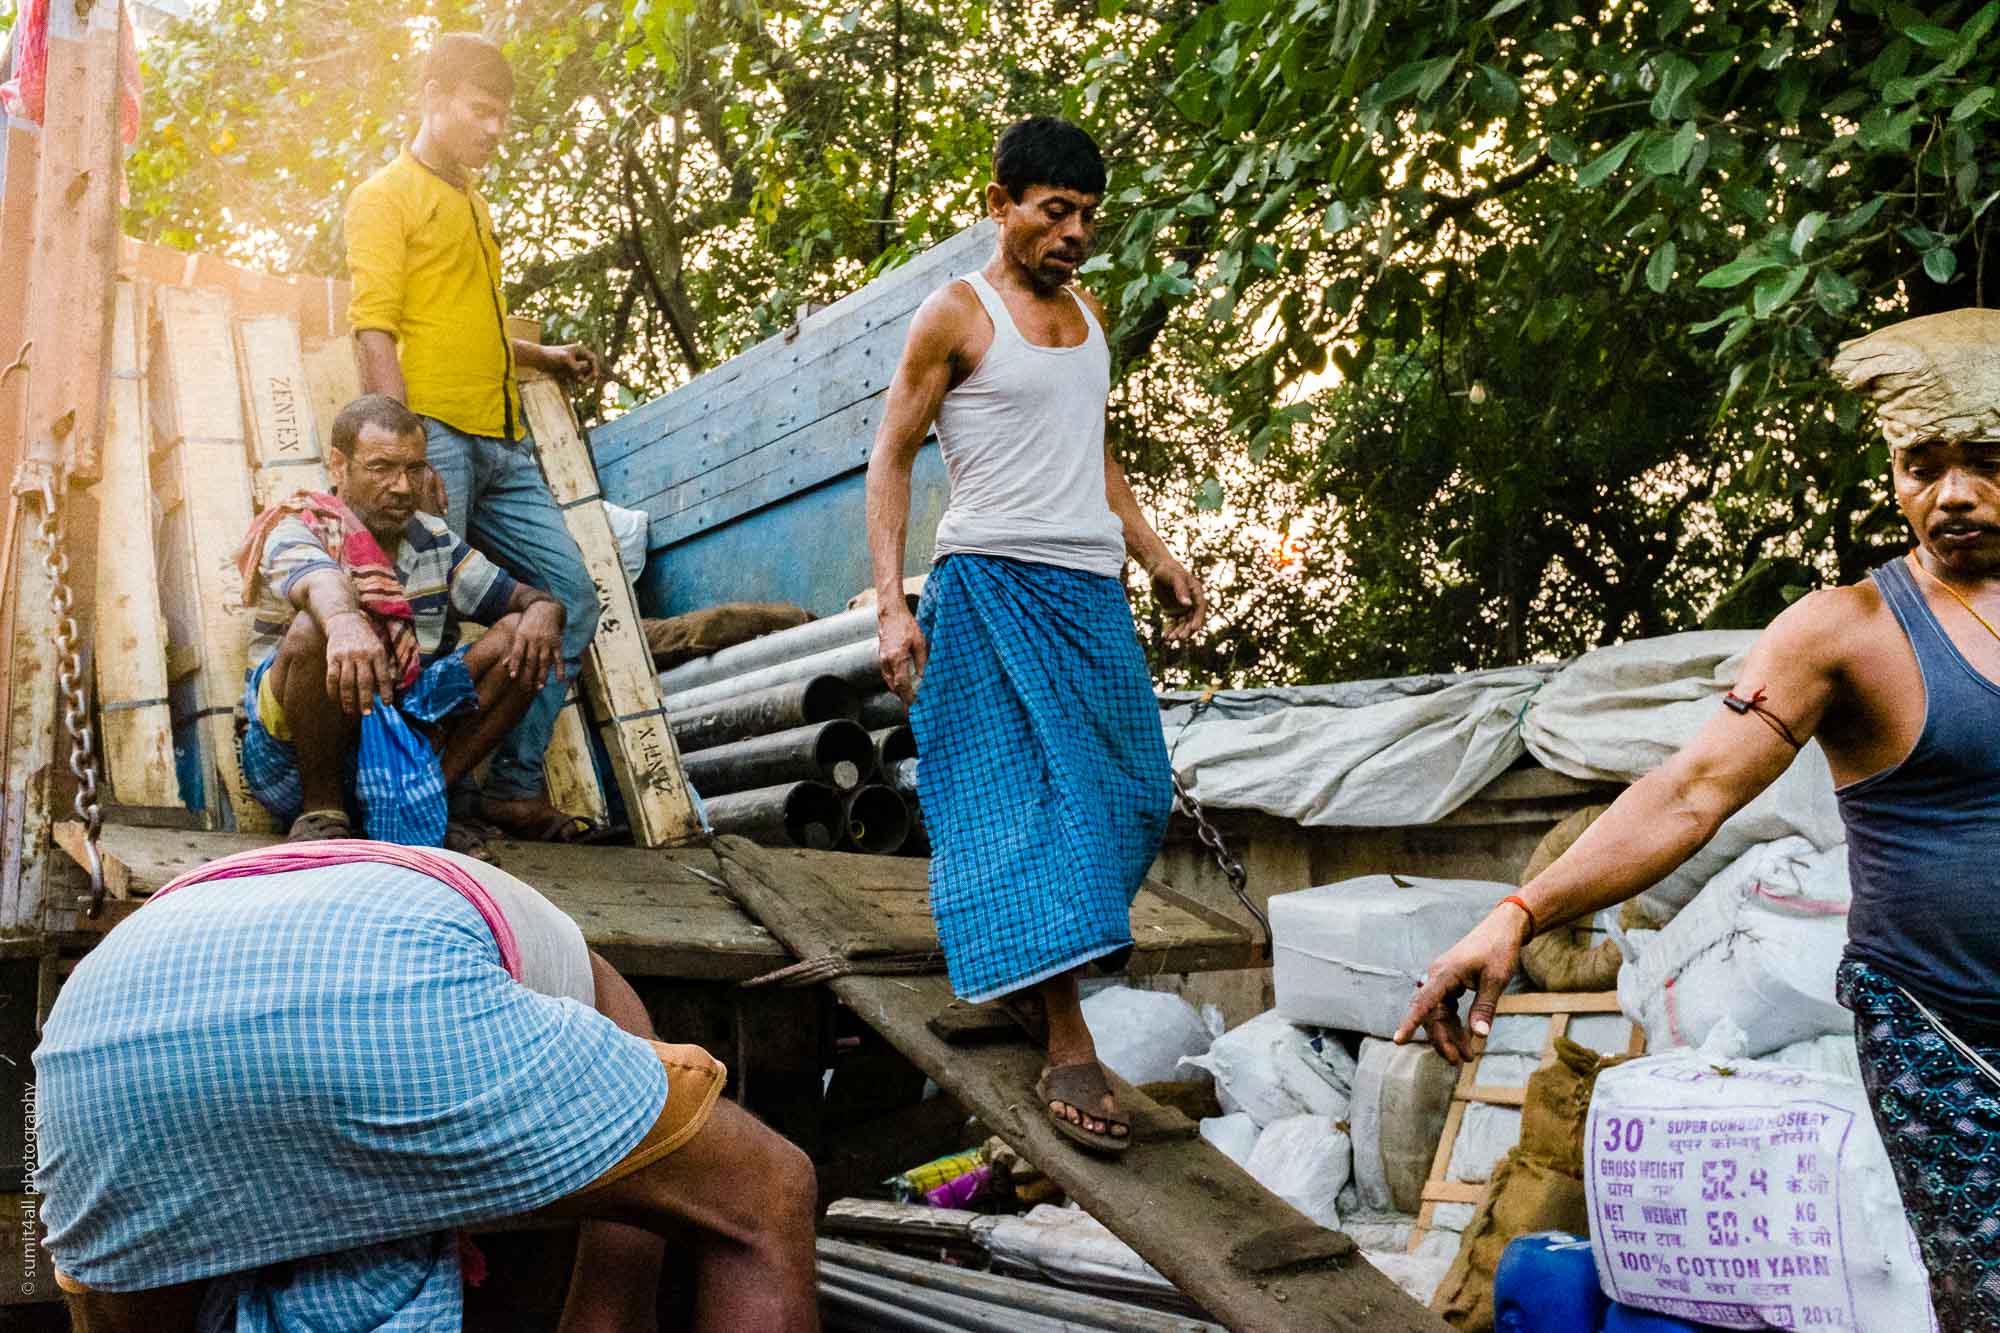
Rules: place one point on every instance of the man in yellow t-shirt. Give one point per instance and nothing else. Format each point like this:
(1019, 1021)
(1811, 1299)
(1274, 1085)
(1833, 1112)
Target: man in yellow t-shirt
(430, 327)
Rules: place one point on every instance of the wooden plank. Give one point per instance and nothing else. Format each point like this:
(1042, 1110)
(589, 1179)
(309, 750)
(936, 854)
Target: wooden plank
(568, 770)
(651, 913)
(332, 382)
(1187, 1209)
(75, 243)
(818, 454)
(618, 669)
(131, 648)
(893, 296)
(201, 470)
(285, 442)
(1455, 1191)
(1494, 1095)
(1559, 1002)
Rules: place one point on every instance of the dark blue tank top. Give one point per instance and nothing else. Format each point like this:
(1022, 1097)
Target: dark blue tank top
(1923, 837)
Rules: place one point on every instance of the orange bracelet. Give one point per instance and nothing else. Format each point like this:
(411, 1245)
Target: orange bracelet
(1516, 899)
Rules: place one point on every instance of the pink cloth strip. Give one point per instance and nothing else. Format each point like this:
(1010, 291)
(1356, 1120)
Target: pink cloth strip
(287, 856)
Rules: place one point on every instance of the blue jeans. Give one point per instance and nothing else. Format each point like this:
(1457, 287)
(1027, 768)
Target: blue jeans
(499, 502)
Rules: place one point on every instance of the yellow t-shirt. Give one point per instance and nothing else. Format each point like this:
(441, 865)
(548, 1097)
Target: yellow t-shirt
(426, 269)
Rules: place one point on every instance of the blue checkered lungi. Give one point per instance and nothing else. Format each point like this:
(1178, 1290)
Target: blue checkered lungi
(1044, 780)
(393, 778)
(259, 1071)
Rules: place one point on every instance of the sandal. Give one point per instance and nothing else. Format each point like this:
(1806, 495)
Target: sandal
(320, 826)
(468, 837)
(1082, 1087)
(574, 830)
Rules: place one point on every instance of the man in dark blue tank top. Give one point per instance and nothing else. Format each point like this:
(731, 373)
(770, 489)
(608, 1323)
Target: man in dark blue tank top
(1898, 678)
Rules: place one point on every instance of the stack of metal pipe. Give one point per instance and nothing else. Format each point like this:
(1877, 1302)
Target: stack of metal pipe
(790, 739)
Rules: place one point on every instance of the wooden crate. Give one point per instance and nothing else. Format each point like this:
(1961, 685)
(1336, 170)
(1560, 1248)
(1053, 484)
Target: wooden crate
(619, 679)
(201, 475)
(131, 655)
(1560, 1007)
(332, 382)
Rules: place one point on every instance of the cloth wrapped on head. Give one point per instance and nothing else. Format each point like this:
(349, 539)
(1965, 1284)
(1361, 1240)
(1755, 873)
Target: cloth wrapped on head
(1932, 378)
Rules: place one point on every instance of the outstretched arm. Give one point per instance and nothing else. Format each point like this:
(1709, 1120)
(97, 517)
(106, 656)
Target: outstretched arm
(923, 377)
(1656, 824)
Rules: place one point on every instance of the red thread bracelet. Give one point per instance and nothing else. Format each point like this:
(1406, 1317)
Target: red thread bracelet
(1516, 899)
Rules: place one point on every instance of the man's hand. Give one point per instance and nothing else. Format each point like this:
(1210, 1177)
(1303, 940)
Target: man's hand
(357, 665)
(1183, 596)
(573, 361)
(537, 646)
(903, 651)
(1483, 961)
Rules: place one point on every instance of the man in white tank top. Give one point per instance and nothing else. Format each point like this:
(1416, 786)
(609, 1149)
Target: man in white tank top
(1044, 777)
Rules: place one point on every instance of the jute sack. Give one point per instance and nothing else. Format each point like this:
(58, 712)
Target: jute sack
(1564, 959)
(683, 638)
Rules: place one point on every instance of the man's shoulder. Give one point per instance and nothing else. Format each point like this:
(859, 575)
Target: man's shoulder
(1830, 626)
(427, 532)
(386, 184)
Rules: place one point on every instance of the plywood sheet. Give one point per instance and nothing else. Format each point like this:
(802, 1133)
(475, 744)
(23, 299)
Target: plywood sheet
(202, 476)
(277, 403)
(131, 647)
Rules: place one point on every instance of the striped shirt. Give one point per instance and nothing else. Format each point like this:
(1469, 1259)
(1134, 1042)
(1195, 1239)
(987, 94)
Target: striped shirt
(446, 580)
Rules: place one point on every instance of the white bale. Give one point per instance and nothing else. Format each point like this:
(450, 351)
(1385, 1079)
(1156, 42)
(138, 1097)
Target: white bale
(1747, 1195)
(1232, 1135)
(1417, 1274)
(1833, 1054)
(629, 527)
(1142, 1035)
(1402, 1095)
(1350, 955)
(1270, 1068)
(1759, 946)
(1067, 1245)
(1485, 1135)
(1304, 1160)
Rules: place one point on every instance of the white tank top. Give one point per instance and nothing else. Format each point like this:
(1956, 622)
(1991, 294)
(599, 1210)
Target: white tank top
(1023, 442)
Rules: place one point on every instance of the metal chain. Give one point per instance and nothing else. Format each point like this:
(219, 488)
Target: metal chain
(1209, 835)
(75, 697)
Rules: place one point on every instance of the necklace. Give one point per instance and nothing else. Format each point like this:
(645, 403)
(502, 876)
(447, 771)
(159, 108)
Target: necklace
(1956, 596)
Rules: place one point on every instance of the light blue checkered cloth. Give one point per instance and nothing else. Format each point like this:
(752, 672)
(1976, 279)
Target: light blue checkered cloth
(257, 1071)
(393, 777)
(1044, 779)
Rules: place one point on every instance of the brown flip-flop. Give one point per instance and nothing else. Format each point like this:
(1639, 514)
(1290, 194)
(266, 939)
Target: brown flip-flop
(319, 826)
(468, 837)
(1083, 1087)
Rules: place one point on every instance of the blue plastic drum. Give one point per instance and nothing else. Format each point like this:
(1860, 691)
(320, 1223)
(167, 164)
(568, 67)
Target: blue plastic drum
(1547, 1283)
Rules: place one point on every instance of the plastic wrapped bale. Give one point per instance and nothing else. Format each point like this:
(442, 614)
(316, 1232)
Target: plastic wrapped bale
(1233, 1135)
(1759, 946)
(1743, 1194)
(1349, 955)
(1402, 1095)
(1304, 1160)
(1270, 1068)
(1143, 1035)
(1417, 1274)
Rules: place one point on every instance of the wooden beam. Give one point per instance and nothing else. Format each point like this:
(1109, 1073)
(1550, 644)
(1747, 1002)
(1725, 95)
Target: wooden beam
(568, 771)
(131, 648)
(618, 669)
(202, 475)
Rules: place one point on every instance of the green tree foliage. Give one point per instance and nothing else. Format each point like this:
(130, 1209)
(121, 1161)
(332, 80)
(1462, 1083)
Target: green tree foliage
(1458, 332)
(1637, 228)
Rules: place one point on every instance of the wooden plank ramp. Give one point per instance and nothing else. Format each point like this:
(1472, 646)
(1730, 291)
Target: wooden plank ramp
(1231, 1245)
(618, 671)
